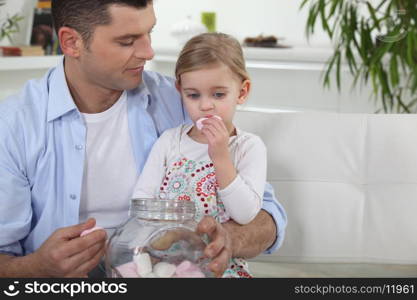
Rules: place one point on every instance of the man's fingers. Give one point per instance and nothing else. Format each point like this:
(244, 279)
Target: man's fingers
(207, 225)
(215, 247)
(75, 231)
(86, 255)
(220, 263)
(216, 234)
(91, 258)
(78, 245)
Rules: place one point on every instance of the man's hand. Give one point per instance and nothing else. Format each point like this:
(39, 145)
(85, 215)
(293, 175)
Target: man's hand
(220, 248)
(66, 254)
(233, 240)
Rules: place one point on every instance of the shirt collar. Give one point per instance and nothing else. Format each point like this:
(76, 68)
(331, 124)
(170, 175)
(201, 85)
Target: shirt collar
(140, 95)
(61, 102)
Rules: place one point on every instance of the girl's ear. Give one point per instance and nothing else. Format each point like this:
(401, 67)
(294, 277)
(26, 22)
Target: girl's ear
(178, 86)
(244, 91)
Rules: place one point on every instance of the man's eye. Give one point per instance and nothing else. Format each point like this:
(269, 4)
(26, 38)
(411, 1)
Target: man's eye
(193, 96)
(219, 95)
(126, 44)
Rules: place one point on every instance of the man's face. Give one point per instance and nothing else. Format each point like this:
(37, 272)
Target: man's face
(117, 52)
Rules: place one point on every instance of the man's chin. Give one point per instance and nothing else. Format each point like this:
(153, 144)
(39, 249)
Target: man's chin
(132, 84)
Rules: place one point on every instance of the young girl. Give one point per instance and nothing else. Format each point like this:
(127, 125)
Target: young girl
(219, 167)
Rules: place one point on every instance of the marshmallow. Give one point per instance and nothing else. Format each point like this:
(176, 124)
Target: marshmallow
(143, 264)
(187, 269)
(150, 275)
(164, 270)
(199, 122)
(85, 232)
(128, 270)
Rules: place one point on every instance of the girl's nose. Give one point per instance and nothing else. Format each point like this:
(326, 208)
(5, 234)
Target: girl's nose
(206, 104)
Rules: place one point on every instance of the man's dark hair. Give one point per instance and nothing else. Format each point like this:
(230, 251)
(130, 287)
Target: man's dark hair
(85, 15)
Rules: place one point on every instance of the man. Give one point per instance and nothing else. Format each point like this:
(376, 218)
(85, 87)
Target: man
(73, 144)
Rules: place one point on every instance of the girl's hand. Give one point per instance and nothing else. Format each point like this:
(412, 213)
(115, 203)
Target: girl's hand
(218, 139)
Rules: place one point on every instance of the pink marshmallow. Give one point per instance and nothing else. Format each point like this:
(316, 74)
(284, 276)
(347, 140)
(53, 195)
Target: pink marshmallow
(90, 230)
(196, 274)
(199, 122)
(128, 270)
(187, 269)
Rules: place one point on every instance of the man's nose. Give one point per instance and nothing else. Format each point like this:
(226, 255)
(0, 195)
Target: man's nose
(144, 49)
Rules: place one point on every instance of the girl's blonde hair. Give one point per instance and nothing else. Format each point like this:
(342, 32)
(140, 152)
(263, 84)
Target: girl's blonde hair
(210, 49)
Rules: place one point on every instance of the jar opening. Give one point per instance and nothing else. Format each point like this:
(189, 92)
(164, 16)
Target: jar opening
(158, 209)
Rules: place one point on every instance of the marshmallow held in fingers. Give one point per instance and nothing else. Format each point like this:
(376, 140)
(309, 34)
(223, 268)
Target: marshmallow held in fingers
(85, 232)
(200, 121)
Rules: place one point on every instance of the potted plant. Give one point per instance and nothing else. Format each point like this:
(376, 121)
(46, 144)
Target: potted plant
(378, 41)
(10, 25)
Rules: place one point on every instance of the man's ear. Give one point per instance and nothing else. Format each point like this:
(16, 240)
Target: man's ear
(70, 41)
(244, 91)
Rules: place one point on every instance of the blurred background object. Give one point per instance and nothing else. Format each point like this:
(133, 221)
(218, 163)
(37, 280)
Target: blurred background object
(42, 29)
(186, 29)
(209, 20)
(9, 25)
(378, 42)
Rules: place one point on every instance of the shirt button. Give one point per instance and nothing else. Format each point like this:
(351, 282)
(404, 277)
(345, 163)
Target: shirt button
(73, 197)
(79, 147)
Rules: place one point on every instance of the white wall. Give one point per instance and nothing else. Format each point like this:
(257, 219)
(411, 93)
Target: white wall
(241, 18)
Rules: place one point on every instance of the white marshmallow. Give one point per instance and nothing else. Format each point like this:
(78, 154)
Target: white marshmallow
(199, 122)
(143, 264)
(150, 275)
(164, 270)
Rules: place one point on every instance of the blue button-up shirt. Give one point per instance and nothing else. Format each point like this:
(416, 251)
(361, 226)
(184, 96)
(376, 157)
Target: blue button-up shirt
(42, 142)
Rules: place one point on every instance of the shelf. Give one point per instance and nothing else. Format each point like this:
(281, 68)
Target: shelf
(28, 62)
(297, 58)
(257, 58)
(296, 54)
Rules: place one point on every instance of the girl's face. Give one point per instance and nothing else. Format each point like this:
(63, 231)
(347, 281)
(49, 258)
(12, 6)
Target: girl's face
(213, 90)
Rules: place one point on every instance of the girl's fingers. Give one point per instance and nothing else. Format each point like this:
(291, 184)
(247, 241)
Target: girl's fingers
(208, 132)
(217, 124)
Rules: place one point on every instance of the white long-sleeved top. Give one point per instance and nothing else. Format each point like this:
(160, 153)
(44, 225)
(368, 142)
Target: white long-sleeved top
(180, 168)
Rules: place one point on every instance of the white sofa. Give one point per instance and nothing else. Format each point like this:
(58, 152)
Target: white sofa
(348, 183)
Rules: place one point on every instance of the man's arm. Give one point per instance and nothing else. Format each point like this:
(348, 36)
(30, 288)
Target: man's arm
(12, 266)
(254, 238)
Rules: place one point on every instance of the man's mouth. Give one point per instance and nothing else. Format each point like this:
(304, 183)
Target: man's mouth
(135, 69)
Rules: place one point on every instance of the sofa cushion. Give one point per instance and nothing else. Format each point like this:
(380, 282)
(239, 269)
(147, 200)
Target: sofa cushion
(348, 183)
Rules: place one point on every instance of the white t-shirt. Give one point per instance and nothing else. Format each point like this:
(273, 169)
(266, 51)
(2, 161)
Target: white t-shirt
(175, 158)
(109, 168)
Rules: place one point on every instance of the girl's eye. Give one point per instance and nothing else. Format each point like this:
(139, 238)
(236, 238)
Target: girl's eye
(219, 95)
(193, 96)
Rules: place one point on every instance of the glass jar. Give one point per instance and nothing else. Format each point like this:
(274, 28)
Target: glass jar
(158, 240)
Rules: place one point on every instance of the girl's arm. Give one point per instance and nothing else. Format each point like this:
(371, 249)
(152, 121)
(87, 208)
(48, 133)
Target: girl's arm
(242, 198)
(153, 172)
(240, 188)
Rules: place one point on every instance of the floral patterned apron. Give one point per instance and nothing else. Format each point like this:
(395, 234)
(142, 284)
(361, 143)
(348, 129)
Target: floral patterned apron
(195, 181)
